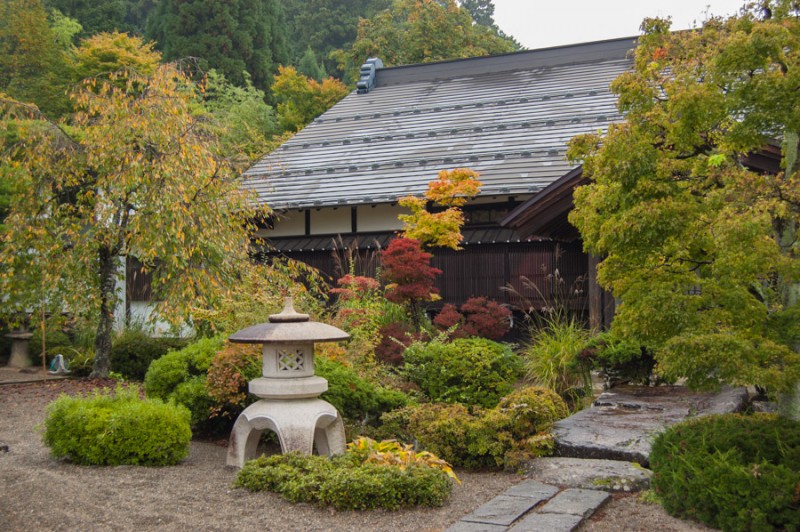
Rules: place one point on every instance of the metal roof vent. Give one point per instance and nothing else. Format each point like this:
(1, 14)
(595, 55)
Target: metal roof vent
(367, 76)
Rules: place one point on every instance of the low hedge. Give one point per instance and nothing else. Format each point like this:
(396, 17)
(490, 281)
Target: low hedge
(115, 429)
(732, 471)
(345, 482)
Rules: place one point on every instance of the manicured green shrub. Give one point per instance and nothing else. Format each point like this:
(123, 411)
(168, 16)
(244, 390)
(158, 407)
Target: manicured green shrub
(133, 350)
(181, 376)
(515, 430)
(356, 398)
(116, 429)
(472, 371)
(346, 482)
(733, 471)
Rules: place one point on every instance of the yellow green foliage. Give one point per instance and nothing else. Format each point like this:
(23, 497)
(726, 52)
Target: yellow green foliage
(108, 52)
(422, 31)
(135, 173)
(515, 430)
(392, 453)
(451, 190)
(301, 99)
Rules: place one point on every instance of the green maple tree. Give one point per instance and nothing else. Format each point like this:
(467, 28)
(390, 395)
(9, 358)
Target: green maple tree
(700, 249)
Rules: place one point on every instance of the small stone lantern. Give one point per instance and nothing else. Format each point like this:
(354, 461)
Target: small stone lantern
(288, 391)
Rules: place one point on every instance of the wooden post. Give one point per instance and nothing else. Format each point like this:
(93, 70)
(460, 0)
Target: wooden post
(595, 296)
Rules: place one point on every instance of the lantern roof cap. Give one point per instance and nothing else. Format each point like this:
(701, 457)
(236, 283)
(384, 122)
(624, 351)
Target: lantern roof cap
(287, 327)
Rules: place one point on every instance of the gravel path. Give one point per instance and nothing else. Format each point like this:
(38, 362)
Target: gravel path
(40, 493)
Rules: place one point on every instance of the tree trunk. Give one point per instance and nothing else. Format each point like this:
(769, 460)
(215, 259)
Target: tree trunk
(107, 269)
(789, 403)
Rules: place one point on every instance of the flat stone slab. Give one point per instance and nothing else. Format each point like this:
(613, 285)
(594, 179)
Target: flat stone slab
(587, 473)
(532, 489)
(467, 526)
(537, 522)
(623, 421)
(502, 510)
(575, 501)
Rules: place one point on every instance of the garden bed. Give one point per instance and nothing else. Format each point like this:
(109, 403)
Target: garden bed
(46, 494)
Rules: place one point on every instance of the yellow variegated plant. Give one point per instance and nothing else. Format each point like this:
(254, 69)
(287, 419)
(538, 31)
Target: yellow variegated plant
(396, 454)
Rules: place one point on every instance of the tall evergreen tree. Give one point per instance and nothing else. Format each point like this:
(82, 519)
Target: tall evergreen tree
(482, 11)
(232, 37)
(94, 16)
(310, 67)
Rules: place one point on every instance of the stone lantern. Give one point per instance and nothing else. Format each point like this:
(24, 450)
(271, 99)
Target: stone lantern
(288, 390)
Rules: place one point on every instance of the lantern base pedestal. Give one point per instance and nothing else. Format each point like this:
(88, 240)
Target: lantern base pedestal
(301, 425)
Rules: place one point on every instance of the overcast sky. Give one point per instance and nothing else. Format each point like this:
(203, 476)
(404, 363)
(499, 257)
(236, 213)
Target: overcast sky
(539, 24)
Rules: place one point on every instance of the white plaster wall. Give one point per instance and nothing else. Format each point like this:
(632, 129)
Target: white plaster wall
(379, 218)
(330, 221)
(290, 223)
(143, 312)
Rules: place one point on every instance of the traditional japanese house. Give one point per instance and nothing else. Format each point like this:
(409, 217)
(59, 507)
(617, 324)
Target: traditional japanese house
(508, 117)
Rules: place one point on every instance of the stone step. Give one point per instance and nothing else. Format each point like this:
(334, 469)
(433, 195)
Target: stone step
(623, 421)
(533, 506)
(606, 475)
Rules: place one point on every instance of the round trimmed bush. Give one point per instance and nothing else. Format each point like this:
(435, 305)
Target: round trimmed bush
(732, 471)
(472, 371)
(117, 429)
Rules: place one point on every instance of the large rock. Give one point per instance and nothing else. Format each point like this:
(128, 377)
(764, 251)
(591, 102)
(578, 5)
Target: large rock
(622, 422)
(607, 475)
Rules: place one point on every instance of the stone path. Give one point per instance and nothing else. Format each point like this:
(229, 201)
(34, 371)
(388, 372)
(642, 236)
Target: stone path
(533, 506)
(564, 492)
(602, 448)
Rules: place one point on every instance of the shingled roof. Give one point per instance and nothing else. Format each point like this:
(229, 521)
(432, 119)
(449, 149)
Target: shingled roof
(508, 117)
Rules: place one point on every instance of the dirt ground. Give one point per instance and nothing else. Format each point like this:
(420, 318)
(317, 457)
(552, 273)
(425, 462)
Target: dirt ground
(40, 493)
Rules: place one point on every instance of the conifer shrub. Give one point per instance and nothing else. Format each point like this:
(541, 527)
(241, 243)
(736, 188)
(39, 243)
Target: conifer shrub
(116, 429)
(472, 371)
(732, 471)
(618, 359)
(346, 482)
(515, 430)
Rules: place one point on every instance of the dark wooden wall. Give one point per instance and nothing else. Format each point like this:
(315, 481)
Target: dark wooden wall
(554, 272)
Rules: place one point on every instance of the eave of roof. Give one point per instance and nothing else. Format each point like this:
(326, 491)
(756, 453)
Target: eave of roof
(545, 214)
(509, 117)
